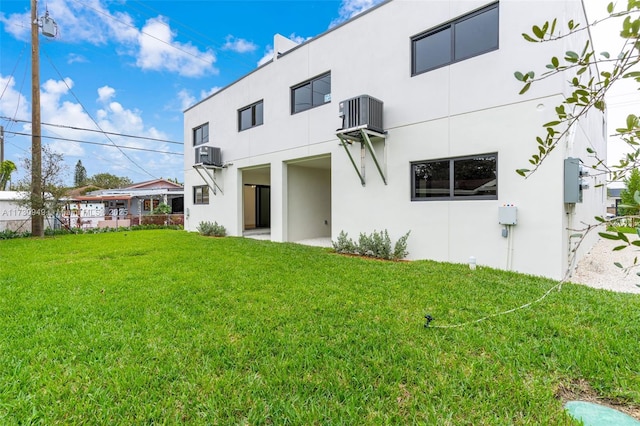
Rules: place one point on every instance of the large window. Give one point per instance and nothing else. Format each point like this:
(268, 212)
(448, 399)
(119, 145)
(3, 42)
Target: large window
(201, 134)
(250, 116)
(201, 194)
(311, 93)
(463, 38)
(463, 178)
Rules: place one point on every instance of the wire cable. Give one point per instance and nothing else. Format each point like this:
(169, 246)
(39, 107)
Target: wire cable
(92, 119)
(96, 143)
(98, 131)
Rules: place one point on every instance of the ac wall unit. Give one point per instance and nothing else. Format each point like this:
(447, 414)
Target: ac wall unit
(209, 156)
(362, 110)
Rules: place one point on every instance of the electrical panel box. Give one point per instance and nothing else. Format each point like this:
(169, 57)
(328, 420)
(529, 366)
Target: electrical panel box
(574, 183)
(508, 215)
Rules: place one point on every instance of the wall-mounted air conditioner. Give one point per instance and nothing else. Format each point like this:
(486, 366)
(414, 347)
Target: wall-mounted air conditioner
(209, 156)
(362, 110)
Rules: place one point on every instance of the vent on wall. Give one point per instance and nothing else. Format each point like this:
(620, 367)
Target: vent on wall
(362, 110)
(209, 156)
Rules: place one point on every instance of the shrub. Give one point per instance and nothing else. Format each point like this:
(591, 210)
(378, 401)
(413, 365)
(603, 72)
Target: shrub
(377, 245)
(211, 229)
(344, 244)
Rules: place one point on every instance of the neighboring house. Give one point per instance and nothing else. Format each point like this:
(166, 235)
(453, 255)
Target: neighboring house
(123, 206)
(405, 118)
(613, 200)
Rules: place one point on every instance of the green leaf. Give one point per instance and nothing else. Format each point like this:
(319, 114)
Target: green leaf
(618, 264)
(555, 62)
(623, 237)
(599, 219)
(529, 38)
(609, 236)
(590, 150)
(636, 243)
(538, 31)
(618, 248)
(553, 25)
(518, 75)
(522, 172)
(525, 88)
(610, 8)
(551, 124)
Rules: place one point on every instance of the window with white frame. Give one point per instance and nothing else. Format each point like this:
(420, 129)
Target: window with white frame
(201, 134)
(465, 37)
(461, 178)
(311, 93)
(201, 194)
(250, 116)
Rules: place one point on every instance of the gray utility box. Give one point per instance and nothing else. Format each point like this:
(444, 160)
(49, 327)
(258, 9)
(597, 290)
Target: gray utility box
(573, 183)
(362, 110)
(209, 156)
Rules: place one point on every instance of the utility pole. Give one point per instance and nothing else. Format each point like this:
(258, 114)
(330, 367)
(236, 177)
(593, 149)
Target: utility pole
(1, 144)
(37, 219)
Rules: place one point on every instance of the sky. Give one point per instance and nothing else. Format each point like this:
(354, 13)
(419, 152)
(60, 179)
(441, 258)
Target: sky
(130, 67)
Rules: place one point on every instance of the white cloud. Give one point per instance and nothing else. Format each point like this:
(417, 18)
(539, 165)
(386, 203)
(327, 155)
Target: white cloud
(74, 57)
(186, 99)
(17, 24)
(106, 93)
(351, 8)
(159, 51)
(12, 103)
(207, 93)
(268, 56)
(239, 45)
(154, 46)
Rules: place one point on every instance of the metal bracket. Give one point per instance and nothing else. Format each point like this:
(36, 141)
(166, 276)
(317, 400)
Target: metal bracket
(208, 178)
(363, 135)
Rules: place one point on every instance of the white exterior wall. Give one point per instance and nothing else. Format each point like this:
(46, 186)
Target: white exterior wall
(466, 108)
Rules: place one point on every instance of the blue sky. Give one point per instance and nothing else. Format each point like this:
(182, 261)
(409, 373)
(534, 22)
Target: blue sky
(133, 66)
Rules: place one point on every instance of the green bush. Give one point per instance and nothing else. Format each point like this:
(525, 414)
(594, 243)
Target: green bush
(377, 245)
(211, 229)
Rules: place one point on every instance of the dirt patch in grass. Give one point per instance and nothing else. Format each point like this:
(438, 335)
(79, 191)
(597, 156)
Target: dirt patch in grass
(581, 390)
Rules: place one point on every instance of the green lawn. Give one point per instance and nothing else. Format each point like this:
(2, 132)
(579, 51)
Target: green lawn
(165, 327)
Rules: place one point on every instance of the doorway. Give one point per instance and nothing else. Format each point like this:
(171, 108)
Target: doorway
(257, 206)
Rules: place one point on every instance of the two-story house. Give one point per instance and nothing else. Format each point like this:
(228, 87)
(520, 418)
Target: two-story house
(405, 118)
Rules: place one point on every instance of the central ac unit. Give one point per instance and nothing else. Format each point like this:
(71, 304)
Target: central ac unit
(209, 156)
(362, 110)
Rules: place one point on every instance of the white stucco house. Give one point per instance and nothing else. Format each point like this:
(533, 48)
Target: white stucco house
(405, 118)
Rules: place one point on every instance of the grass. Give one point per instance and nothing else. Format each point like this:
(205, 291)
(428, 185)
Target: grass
(166, 327)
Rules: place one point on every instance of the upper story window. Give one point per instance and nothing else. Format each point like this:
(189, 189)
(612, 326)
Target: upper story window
(250, 116)
(311, 93)
(461, 178)
(201, 134)
(460, 39)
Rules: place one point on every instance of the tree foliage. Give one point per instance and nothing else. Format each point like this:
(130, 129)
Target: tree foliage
(627, 196)
(109, 181)
(80, 175)
(6, 168)
(588, 91)
(54, 170)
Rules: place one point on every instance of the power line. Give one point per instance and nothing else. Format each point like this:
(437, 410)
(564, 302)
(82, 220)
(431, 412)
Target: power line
(92, 119)
(96, 143)
(97, 131)
(142, 32)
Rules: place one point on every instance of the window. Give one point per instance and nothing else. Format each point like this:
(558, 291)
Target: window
(201, 194)
(312, 93)
(250, 116)
(461, 178)
(463, 38)
(201, 134)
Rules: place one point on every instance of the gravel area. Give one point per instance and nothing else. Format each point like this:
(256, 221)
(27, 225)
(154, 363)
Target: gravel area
(597, 268)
